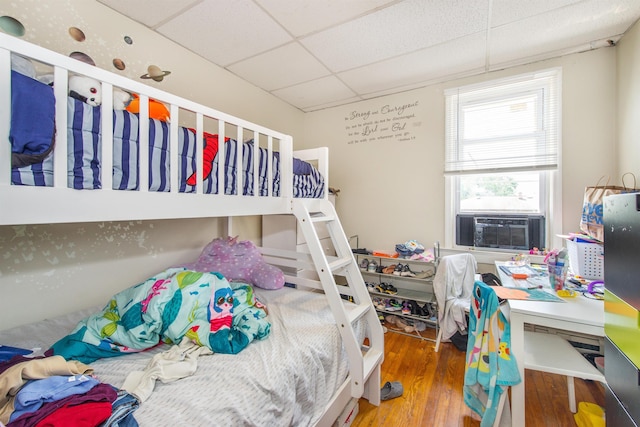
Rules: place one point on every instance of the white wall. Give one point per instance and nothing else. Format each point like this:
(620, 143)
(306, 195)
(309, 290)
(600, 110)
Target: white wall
(392, 189)
(628, 153)
(47, 270)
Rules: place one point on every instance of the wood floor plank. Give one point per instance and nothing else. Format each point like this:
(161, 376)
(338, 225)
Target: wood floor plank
(433, 384)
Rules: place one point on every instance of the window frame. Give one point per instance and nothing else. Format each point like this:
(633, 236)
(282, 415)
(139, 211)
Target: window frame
(550, 202)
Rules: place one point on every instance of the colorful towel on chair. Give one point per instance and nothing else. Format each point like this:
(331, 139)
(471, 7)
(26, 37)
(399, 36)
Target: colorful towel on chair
(489, 365)
(204, 307)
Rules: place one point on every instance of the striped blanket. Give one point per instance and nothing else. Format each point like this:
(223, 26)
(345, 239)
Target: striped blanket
(84, 161)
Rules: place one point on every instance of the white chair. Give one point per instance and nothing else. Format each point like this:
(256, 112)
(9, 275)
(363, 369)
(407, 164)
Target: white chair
(553, 354)
(452, 286)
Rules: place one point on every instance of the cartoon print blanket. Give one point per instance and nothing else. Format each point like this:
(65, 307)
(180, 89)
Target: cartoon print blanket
(176, 303)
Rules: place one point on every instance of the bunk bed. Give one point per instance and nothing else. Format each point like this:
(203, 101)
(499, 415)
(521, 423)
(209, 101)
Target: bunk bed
(255, 171)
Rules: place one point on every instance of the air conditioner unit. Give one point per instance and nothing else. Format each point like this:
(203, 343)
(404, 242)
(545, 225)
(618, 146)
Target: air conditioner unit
(517, 232)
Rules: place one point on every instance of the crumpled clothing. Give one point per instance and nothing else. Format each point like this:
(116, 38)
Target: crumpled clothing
(178, 362)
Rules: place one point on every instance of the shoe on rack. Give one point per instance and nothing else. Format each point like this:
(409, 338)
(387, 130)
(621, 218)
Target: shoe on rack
(364, 264)
(406, 271)
(405, 307)
(372, 266)
(378, 303)
(429, 311)
(398, 270)
(425, 274)
(389, 269)
(393, 305)
(371, 287)
(388, 288)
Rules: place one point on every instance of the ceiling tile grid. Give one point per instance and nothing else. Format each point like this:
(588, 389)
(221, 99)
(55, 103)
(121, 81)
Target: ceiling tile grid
(225, 32)
(315, 54)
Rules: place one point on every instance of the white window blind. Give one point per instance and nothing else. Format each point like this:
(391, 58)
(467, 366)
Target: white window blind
(504, 125)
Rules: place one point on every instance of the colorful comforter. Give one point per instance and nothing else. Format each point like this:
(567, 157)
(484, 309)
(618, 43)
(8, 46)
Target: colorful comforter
(177, 303)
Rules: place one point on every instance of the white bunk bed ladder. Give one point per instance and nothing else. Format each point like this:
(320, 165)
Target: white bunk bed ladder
(364, 359)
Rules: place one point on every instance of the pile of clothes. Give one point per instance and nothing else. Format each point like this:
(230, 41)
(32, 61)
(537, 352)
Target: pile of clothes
(412, 249)
(46, 391)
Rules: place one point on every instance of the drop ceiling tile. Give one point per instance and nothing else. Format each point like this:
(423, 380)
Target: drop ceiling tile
(561, 29)
(429, 64)
(149, 12)
(506, 11)
(405, 27)
(302, 17)
(225, 31)
(332, 104)
(316, 92)
(281, 67)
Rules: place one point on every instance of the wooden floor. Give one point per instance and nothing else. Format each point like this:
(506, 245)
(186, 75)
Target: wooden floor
(433, 390)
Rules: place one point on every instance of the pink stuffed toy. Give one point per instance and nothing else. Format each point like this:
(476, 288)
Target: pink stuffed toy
(238, 261)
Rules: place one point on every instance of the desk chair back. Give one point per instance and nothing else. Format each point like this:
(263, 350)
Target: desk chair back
(452, 286)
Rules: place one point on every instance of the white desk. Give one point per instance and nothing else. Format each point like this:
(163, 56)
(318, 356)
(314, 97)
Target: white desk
(579, 314)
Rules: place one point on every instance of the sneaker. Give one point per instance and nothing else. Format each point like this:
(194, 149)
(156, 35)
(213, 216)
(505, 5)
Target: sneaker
(398, 270)
(405, 307)
(406, 271)
(414, 307)
(388, 288)
(393, 305)
(429, 312)
(371, 287)
(372, 266)
(364, 264)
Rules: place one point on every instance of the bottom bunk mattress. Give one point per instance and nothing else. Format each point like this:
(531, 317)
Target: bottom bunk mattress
(286, 379)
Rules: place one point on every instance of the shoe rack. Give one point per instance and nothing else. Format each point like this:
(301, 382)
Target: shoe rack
(409, 286)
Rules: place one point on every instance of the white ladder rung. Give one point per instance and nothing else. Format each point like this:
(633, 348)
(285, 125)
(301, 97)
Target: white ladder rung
(322, 218)
(339, 263)
(372, 358)
(355, 313)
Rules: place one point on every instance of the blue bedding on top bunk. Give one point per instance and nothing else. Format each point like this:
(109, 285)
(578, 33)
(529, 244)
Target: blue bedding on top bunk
(84, 150)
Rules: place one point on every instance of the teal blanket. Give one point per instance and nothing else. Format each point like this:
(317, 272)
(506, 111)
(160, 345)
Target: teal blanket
(204, 307)
(489, 366)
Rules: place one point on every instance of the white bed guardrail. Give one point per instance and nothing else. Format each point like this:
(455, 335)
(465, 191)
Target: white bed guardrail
(63, 66)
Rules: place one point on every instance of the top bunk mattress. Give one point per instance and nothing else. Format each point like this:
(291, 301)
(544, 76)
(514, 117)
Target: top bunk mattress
(32, 136)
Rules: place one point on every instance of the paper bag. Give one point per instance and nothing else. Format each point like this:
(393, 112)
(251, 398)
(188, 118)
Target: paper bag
(592, 209)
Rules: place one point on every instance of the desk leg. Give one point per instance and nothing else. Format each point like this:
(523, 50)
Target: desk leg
(517, 391)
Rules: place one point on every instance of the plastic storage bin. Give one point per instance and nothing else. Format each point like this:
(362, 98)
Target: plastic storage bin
(586, 259)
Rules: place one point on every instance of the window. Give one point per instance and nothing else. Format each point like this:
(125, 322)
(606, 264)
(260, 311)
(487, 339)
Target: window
(502, 156)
